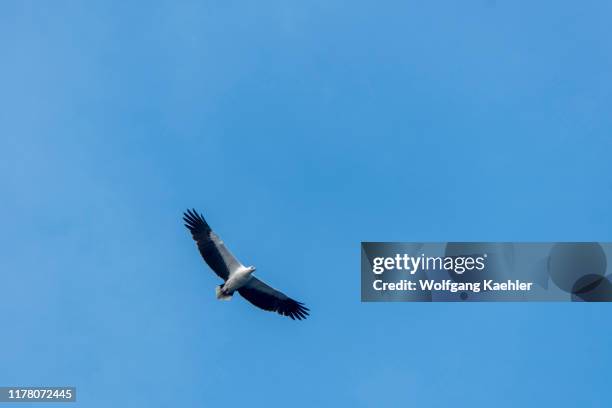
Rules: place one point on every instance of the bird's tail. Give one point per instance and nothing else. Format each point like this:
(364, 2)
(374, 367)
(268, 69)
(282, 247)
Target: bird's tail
(221, 295)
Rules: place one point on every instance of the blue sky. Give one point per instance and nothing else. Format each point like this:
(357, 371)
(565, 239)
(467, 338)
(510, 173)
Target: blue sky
(299, 129)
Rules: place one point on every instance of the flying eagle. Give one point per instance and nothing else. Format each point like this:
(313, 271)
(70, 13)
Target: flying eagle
(236, 276)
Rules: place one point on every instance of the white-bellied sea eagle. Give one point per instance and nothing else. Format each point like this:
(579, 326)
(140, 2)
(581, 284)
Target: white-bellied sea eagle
(236, 276)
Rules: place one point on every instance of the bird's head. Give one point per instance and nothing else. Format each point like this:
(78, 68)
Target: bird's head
(251, 269)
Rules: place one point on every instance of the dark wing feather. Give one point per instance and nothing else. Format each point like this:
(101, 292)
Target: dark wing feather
(267, 298)
(212, 249)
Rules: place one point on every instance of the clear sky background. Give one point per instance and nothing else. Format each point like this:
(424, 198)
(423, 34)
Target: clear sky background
(299, 129)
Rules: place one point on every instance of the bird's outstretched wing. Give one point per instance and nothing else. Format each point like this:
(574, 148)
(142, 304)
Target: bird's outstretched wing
(268, 298)
(212, 248)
